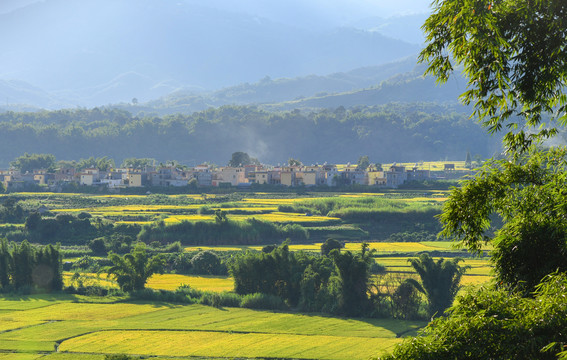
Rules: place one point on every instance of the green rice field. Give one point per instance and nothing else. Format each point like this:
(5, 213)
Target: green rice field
(73, 327)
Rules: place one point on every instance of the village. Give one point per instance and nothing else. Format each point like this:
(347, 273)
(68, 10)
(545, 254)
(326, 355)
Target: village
(206, 175)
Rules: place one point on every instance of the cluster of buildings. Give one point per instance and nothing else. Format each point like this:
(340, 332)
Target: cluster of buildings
(205, 175)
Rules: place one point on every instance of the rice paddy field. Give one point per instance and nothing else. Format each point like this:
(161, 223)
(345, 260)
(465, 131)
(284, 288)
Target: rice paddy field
(74, 327)
(64, 327)
(175, 208)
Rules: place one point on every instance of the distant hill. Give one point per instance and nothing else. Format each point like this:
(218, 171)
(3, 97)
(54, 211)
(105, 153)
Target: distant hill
(400, 81)
(407, 88)
(94, 52)
(16, 94)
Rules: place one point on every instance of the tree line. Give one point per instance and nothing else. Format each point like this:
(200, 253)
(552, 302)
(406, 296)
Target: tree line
(436, 132)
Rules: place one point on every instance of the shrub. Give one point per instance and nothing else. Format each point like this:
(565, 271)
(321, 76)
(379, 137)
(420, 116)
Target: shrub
(220, 299)
(263, 301)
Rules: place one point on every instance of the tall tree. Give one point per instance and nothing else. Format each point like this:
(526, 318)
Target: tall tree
(5, 262)
(354, 276)
(513, 57)
(363, 163)
(240, 158)
(529, 198)
(133, 270)
(294, 162)
(24, 262)
(440, 281)
(48, 272)
(103, 163)
(31, 162)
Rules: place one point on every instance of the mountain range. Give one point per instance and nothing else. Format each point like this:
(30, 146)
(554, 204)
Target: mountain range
(64, 53)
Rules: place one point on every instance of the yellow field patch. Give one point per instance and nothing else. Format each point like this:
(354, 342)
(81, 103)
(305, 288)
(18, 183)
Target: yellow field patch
(204, 282)
(218, 344)
(20, 356)
(132, 208)
(7, 322)
(381, 247)
(426, 199)
(359, 195)
(81, 311)
(89, 279)
(276, 202)
(277, 217)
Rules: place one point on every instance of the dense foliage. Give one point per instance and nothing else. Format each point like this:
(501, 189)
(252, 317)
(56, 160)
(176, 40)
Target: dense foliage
(512, 53)
(436, 132)
(513, 57)
(223, 232)
(494, 324)
(440, 281)
(338, 283)
(132, 270)
(528, 195)
(23, 266)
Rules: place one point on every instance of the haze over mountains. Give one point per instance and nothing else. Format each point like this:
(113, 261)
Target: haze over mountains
(64, 53)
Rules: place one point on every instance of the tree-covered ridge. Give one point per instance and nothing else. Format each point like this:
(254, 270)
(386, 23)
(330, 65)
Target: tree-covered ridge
(394, 132)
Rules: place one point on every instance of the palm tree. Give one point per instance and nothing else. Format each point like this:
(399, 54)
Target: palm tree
(440, 280)
(135, 268)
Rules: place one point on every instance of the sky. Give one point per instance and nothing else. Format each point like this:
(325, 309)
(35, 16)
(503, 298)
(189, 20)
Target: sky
(81, 48)
(334, 12)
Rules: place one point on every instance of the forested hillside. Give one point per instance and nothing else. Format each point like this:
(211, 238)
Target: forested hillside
(394, 132)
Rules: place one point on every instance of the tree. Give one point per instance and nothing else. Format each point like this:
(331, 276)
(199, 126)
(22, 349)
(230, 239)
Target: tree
(133, 270)
(206, 263)
(353, 277)
(529, 198)
(135, 163)
(329, 245)
(513, 56)
(468, 160)
(5, 262)
(220, 217)
(103, 163)
(240, 158)
(31, 162)
(294, 162)
(514, 59)
(23, 264)
(440, 281)
(363, 163)
(48, 271)
(33, 221)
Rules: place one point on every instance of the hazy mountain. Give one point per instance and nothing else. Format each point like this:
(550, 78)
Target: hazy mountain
(94, 52)
(14, 94)
(403, 27)
(323, 14)
(400, 81)
(408, 88)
